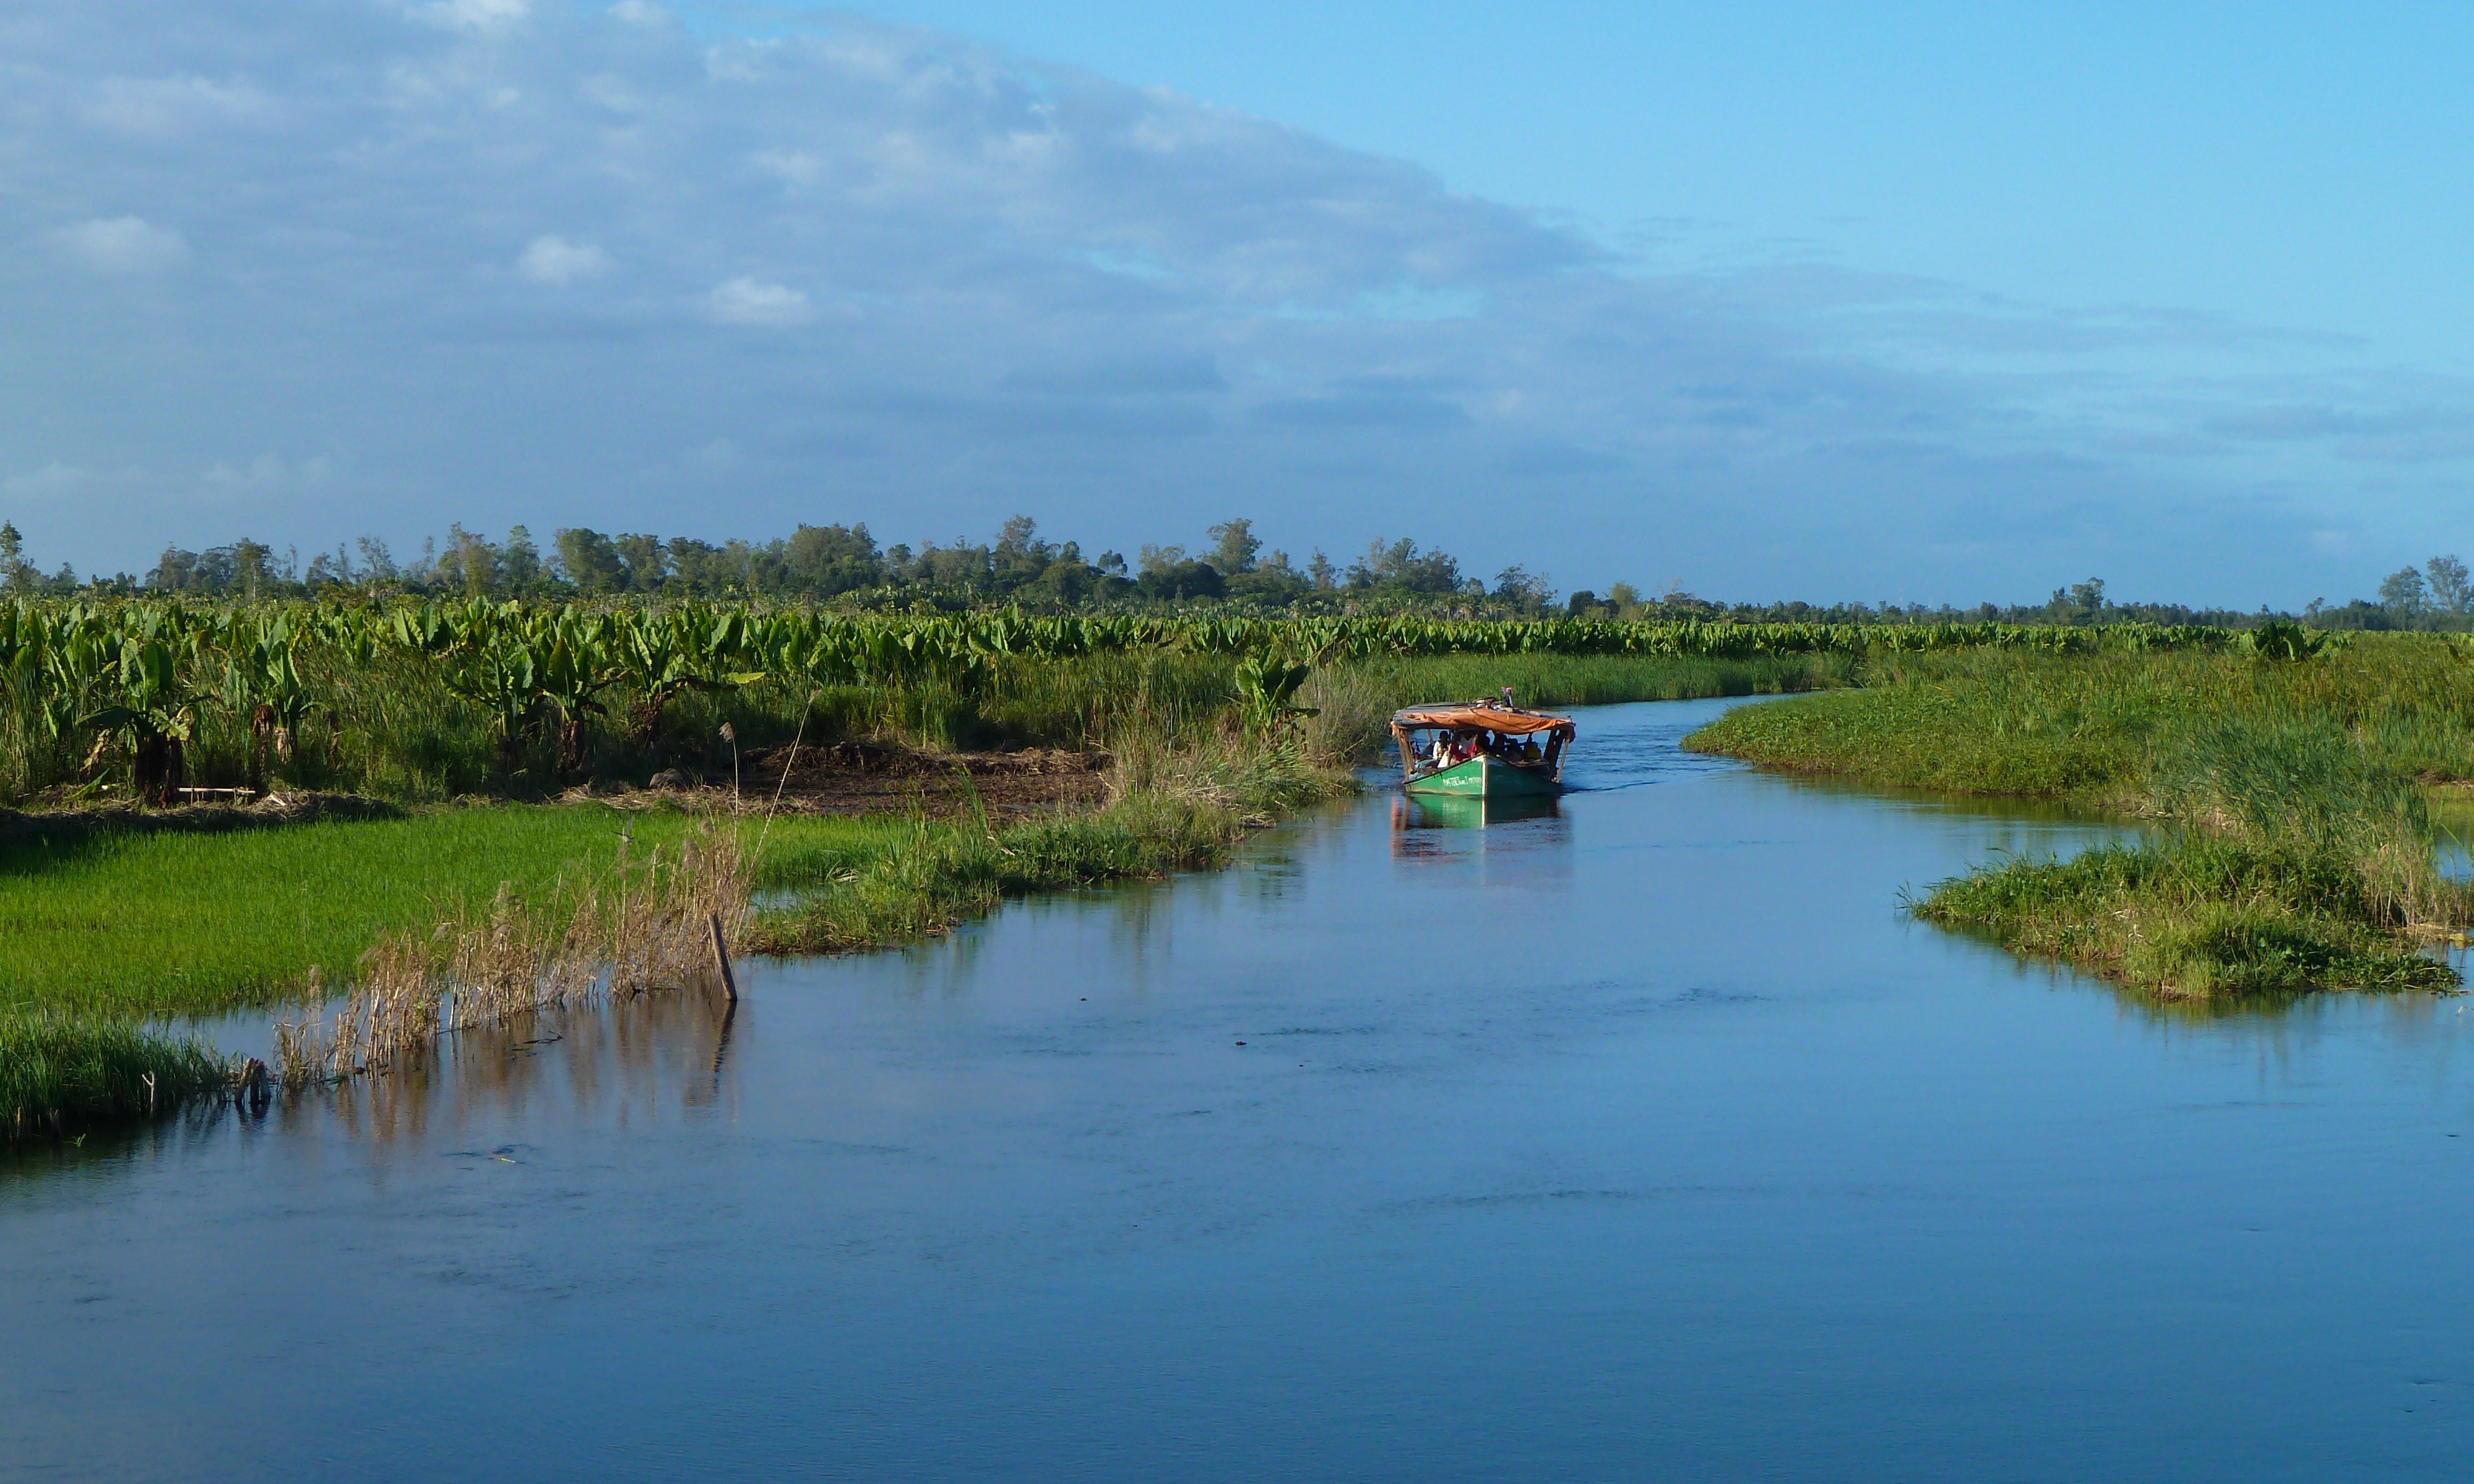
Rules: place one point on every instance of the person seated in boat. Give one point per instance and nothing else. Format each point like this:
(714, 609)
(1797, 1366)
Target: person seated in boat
(1439, 754)
(1530, 753)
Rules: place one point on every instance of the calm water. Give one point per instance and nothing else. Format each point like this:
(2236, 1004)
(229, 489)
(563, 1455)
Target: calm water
(1644, 1140)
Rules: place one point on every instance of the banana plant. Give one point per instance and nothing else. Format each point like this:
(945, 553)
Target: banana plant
(575, 668)
(662, 656)
(1268, 686)
(157, 715)
(502, 682)
(262, 682)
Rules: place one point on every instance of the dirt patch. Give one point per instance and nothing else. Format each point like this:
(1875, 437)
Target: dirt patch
(867, 777)
(275, 809)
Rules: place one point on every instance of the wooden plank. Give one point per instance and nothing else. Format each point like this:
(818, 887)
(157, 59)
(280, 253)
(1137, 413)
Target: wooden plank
(722, 958)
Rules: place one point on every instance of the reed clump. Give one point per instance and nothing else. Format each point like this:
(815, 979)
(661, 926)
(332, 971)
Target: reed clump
(2291, 861)
(643, 926)
(1180, 799)
(61, 1072)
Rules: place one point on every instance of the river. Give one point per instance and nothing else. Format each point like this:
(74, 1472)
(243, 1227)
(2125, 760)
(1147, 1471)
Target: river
(1645, 1139)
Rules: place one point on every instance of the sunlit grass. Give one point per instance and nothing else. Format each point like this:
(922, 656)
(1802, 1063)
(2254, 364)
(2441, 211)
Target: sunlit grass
(2298, 854)
(2087, 727)
(61, 1072)
(171, 923)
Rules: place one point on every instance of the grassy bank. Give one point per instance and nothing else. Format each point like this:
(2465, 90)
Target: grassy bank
(1177, 809)
(2296, 853)
(164, 924)
(156, 923)
(2088, 728)
(109, 924)
(61, 1073)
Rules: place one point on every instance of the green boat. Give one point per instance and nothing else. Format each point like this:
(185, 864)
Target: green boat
(1485, 750)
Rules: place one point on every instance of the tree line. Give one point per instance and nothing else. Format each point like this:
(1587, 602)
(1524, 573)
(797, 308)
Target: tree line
(844, 565)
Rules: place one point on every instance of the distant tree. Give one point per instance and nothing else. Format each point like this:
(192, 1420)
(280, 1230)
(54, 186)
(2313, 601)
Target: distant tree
(588, 559)
(1626, 597)
(2452, 589)
(175, 571)
(1020, 556)
(1180, 580)
(824, 560)
(1237, 545)
(519, 562)
(1321, 573)
(1112, 563)
(377, 564)
(16, 574)
(1519, 586)
(470, 562)
(2404, 596)
(647, 561)
(1400, 567)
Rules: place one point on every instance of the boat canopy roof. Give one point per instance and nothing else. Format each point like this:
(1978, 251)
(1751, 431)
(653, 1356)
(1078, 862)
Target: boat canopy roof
(1486, 716)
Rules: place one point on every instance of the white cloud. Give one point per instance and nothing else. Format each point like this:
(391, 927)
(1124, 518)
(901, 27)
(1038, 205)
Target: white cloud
(53, 481)
(636, 13)
(555, 261)
(166, 106)
(474, 17)
(268, 473)
(745, 300)
(121, 244)
(1077, 294)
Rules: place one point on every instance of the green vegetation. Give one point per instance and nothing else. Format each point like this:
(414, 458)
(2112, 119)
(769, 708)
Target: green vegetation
(172, 922)
(243, 916)
(890, 881)
(1216, 723)
(59, 1072)
(2090, 729)
(2295, 849)
(423, 702)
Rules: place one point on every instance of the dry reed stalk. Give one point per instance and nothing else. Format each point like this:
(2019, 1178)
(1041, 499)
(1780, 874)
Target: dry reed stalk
(640, 929)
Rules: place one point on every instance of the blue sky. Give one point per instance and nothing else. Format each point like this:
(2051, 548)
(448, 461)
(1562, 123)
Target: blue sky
(1833, 301)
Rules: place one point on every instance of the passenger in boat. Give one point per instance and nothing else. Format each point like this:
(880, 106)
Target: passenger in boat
(1529, 752)
(1440, 755)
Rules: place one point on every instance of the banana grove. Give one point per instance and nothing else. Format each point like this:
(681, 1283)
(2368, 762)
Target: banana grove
(139, 698)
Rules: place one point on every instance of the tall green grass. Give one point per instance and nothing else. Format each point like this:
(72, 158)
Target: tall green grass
(62, 1072)
(165, 922)
(2297, 852)
(171, 923)
(2088, 727)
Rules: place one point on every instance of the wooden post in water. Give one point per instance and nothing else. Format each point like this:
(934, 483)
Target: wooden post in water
(722, 958)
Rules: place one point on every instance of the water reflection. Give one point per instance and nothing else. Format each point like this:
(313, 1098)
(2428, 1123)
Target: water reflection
(1438, 812)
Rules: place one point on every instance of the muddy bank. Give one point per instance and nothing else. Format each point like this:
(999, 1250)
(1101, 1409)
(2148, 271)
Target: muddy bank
(275, 809)
(870, 777)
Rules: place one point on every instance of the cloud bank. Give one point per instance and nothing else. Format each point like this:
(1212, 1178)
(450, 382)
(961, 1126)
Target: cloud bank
(309, 270)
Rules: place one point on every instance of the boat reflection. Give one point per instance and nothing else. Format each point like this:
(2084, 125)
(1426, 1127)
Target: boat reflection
(1442, 811)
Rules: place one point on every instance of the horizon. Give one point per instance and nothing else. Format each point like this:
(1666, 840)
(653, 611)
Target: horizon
(2436, 590)
(1717, 302)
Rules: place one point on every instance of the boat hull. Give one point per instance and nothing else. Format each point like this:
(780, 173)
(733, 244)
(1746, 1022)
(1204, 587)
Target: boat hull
(1488, 778)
